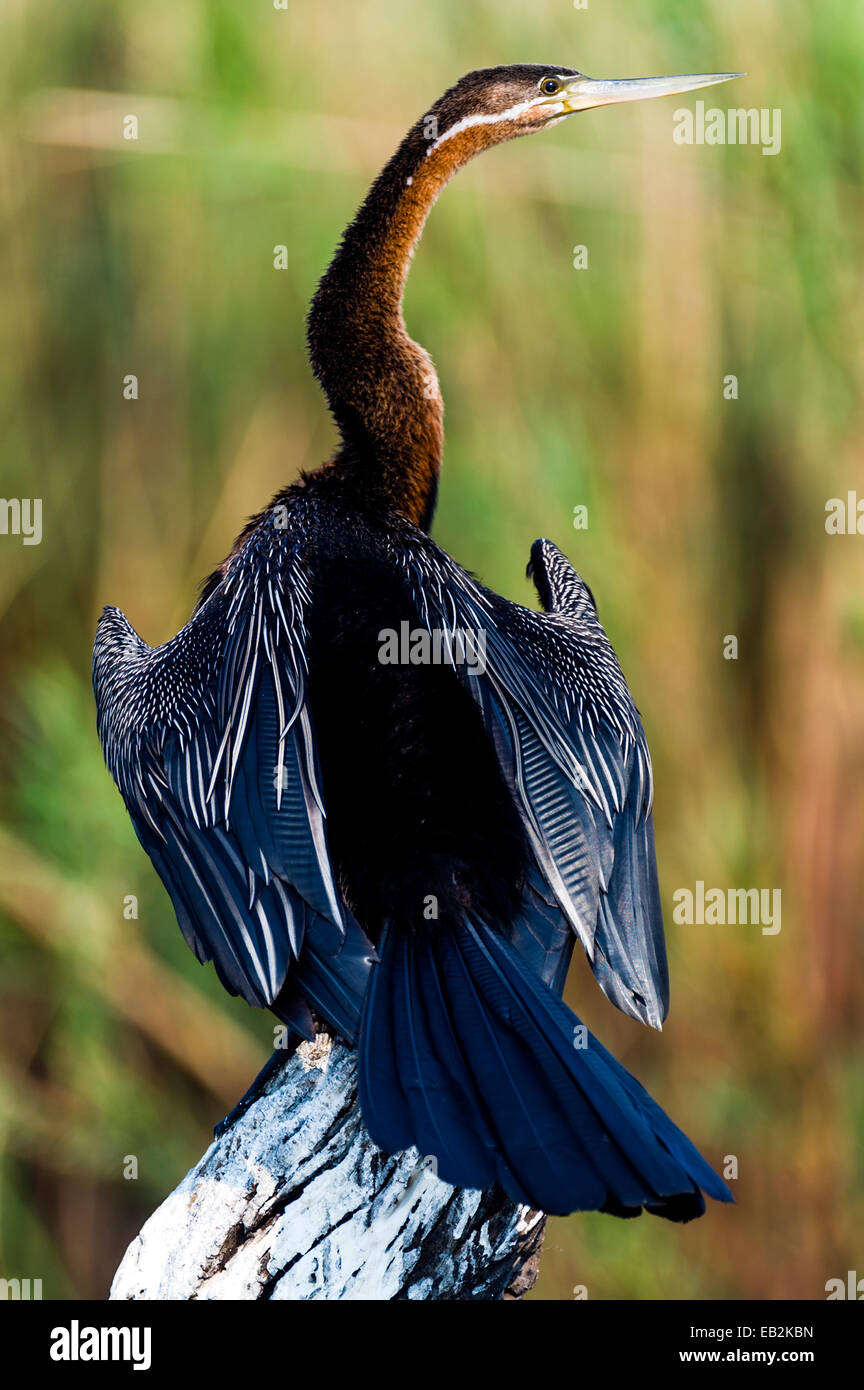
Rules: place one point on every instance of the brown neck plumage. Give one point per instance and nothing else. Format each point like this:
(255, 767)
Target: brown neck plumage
(381, 386)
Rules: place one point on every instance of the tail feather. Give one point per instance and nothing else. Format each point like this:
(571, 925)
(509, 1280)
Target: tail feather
(465, 1053)
(518, 1096)
(600, 1113)
(615, 1095)
(440, 1104)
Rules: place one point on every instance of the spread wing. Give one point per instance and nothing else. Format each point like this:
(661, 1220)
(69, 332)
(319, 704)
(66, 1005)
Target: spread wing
(210, 740)
(572, 749)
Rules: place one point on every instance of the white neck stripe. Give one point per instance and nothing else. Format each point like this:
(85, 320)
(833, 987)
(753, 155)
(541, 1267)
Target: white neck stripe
(482, 118)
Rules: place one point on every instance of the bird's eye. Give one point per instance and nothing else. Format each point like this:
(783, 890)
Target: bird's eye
(549, 86)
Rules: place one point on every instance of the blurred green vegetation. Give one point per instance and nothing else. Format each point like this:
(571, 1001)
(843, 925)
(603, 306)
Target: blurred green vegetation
(601, 387)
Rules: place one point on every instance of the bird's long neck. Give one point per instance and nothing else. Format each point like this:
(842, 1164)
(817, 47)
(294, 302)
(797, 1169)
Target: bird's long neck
(381, 386)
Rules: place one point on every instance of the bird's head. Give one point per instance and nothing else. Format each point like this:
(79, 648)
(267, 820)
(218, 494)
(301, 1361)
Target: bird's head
(496, 104)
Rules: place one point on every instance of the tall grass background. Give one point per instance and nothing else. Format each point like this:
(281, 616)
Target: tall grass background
(601, 387)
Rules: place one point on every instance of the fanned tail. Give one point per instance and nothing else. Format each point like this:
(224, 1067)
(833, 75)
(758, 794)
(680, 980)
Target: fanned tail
(466, 1054)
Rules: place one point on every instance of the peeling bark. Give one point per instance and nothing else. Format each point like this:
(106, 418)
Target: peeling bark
(294, 1201)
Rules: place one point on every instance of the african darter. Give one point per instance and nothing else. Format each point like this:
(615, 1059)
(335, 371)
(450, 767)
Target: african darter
(403, 852)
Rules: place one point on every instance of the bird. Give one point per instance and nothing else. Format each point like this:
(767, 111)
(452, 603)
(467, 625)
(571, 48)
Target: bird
(386, 802)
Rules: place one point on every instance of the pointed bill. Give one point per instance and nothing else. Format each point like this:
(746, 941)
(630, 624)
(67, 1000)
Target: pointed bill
(584, 92)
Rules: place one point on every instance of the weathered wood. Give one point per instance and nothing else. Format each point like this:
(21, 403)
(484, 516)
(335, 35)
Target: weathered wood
(295, 1202)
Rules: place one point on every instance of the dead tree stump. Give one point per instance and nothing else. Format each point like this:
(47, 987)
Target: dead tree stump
(294, 1201)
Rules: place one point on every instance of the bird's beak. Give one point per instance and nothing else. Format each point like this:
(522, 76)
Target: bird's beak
(585, 92)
